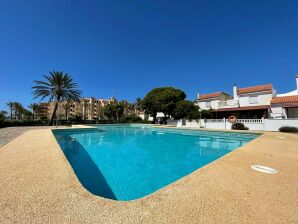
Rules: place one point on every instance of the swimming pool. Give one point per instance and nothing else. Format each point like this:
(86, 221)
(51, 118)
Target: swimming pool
(126, 162)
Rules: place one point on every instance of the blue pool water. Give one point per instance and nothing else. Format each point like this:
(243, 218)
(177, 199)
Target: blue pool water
(125, 162)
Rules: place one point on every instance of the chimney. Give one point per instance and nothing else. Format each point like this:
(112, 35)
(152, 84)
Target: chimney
(235, 92)
(198, 95)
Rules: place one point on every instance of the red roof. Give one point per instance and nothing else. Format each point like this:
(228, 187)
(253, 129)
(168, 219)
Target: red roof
(285, 99)
(253, 89)
(211, 95)
(263, 107)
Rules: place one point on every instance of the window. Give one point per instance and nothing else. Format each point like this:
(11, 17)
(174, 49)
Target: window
(253, 99)
(208, 104)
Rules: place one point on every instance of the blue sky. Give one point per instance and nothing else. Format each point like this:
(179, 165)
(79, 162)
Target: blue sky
(126, 48)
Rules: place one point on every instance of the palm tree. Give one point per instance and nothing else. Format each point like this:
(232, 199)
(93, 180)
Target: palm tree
(18, 110)
(66, 108)
(27, 114)
(59, 86)
(34, 107)
(11, 106)
(3, 114)
(138, 105)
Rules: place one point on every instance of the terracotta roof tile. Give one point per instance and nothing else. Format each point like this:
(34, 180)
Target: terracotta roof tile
(285, 99)
(253, 89)
(211, 95)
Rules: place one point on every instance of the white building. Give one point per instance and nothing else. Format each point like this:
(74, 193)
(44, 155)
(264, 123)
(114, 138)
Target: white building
(212, 100)
(285, 105)
(248, 102)
(257, 107)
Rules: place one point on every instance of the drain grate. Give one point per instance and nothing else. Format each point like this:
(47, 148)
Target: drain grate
(264, 169)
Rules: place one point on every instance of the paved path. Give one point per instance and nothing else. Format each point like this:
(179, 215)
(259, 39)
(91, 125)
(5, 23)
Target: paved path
(38, 185)
(10, 133)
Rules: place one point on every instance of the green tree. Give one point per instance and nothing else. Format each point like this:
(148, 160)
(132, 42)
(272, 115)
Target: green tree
(11, 108)
(138, 106)
(111, 111)
(66, 108)
(120, 110)
(27, 114)
(186, 108)
(59, 86)
(163, 99)
(18, 110)
(115, 111)
(3, 114)
(34, 107)
(205, 114)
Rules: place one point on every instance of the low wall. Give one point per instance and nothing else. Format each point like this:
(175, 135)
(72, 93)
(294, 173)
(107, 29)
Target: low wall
(252, 124)
(172, 122)
(275, 124)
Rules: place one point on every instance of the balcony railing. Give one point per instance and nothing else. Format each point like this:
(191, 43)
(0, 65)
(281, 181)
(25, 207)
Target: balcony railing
(228, 104)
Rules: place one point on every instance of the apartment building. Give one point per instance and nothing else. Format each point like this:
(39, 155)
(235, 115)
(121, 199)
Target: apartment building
(87, 108)
(42, 111)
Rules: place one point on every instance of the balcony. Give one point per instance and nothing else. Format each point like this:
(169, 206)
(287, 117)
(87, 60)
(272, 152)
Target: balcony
(228, 104)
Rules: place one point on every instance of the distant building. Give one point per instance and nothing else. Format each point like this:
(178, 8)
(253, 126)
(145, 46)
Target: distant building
(87, 108)
(42, 112)
(253, 102)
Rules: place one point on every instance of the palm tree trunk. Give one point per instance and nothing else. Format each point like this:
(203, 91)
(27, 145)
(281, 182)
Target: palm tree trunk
(15, 113)
(66, 111)
(57, 115)
(10, 112)
(53, 114)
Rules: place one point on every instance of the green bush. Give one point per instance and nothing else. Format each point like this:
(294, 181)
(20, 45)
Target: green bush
(132, 119)
(4, 124)
(239, 126)
(288, 129)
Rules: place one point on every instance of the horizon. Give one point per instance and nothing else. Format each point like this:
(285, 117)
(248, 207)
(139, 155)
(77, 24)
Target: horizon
(125, 49)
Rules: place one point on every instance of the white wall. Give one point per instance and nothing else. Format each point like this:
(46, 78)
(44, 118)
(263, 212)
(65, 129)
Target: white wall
(252, 124)
(275, 124)
(213, 104)
(263, 99)
(172, 122)
(278, 111)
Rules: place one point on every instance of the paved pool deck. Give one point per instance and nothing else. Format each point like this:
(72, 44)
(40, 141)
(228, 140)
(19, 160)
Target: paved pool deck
(38, 185)
(10, 133)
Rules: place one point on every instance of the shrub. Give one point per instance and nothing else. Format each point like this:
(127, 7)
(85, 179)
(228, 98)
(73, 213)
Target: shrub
(4, 124)
(288, 129)
(239, 126)
(132, 119)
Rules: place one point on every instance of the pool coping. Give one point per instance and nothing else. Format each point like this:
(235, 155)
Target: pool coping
(186, 193)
